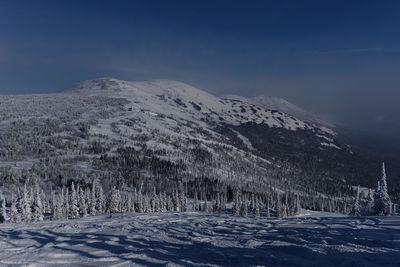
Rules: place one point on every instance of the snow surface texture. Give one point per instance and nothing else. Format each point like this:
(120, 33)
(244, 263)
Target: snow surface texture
(200, 239)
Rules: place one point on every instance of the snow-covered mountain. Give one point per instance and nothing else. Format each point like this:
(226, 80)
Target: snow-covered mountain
(157, 131)
(186, 102)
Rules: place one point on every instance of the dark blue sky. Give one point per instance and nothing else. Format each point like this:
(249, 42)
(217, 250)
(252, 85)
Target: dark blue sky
(340, 59)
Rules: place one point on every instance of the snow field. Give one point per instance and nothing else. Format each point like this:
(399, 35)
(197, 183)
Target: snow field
(201, 239)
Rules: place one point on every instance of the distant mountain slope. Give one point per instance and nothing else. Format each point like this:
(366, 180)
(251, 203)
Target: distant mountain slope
(160, 131)
(276, 103)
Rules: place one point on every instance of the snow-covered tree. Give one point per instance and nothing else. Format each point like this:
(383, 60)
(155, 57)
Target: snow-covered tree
(66, 204)
(37, 206)
(3, 212)
(244, 208)
(82, 203)
(369, 208)
(25, 205)
(15, 216)
(113, 201)
(382, 202)
(93, 200)
(267, 208)
(256, 207)
(297, 210)
(356, 211)
(195, 202)
(236, 203)
(74, 208)
(100, 200)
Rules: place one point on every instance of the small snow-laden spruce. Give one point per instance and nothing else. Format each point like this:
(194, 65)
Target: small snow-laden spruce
(369, 207)
(382, 202)
(99, 207)
(3, 212)
(195, 202)
(244, 207)
(74, 210)
(66, 204)
(256, 207)
(15, 216)
(37, 206)
(236, 203)
(113, 201)
(53, 202)
(93, 200)
(356, 211)
(25, 205)
(267, 214)
(298, 205)
(82, 203)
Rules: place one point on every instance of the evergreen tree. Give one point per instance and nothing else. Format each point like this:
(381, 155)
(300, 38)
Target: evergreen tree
(195, 202)
(236, 203)
(53, 203)
(244, 208)
(382, 203)
(256, 208)
(100, 200)
(170, 205)
(129, 204)
(14, 214)
(356, 211)
(82, 203)
(74, 209)
(206, 207)
(26, 206)
(369, 210)
(113, 201)
(66, 211)
(93, 200)
(3, 212)
(297, 210)
(59, 215)
(37, 207)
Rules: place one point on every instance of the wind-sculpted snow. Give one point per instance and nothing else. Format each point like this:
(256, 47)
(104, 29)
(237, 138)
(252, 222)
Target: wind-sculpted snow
(198, 239)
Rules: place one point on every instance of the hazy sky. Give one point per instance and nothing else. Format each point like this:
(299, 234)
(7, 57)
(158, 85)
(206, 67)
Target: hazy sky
(339, 59)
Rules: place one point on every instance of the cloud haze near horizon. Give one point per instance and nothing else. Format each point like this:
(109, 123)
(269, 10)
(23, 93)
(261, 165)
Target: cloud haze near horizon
(338, 59)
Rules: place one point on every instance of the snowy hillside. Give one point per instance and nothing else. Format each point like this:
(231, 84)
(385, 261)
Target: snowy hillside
(159, 132)
(199, 239)
(276, 103)
(185, 102)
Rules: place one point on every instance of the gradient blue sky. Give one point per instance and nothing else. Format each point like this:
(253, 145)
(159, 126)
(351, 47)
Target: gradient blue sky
(339, 59)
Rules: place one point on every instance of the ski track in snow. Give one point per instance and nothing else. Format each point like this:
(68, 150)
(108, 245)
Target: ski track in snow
(202, 239)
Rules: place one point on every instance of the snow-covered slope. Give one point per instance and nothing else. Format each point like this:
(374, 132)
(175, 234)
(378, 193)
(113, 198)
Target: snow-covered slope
(186, 102)
(226, 139)
(277, 103)
(200, 239)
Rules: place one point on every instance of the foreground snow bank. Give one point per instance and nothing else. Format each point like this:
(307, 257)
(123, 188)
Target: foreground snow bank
(203, 239)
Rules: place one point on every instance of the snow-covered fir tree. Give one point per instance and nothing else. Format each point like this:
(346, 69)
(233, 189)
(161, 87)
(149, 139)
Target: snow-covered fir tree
(382, 202)
(3, 212)
(369, 207)
(25, 205)
(93, 200)
(244, 208)
(37, 206)
(356, 211)
(236, 203)
(113, 201)
(74, 209)
(82, 202)
(100, 199)
(15, 216)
